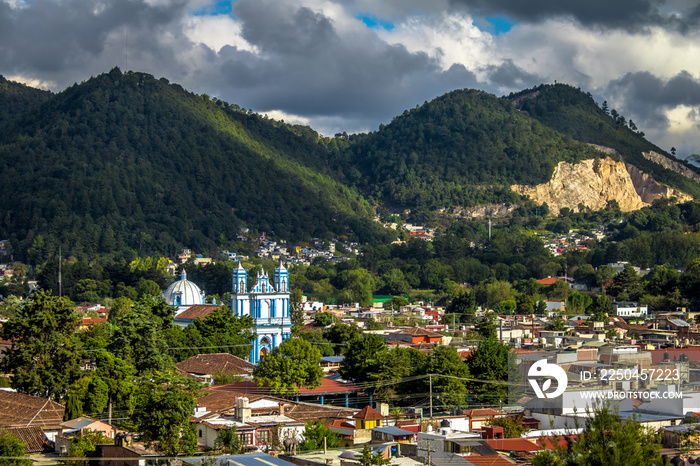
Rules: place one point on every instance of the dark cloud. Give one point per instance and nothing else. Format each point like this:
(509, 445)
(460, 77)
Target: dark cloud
(509, 75)
(60, 40)
(305, 67)
(647, 97)
(626, 14)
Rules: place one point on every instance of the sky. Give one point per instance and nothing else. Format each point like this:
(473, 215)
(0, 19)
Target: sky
(351, 65)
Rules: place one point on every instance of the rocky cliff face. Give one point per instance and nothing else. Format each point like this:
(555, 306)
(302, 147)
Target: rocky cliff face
(649, 189)
(593, 183)
(671, 165)
(481, 211)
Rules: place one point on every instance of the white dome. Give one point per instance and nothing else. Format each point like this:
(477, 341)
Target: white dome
(183, 293)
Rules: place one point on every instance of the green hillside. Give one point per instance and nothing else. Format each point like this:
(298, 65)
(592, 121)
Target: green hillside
(16, 99)
(569, 110)
(126, 162)
(464, 148)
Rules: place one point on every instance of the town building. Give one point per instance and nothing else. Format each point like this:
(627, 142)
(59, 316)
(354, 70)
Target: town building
(183, 294)
(266, 304)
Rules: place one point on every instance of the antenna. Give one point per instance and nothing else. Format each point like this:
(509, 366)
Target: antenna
(126, 49)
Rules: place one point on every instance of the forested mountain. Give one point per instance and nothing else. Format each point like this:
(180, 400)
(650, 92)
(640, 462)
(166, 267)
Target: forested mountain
(16, 98)
(126, 162)
(571, 111)
(464, 148)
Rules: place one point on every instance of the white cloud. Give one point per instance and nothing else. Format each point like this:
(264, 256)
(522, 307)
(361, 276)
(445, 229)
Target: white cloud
(329, 70)
(31, 82)
(452, 39)
(566, 51)
(287, 117)
(216, 31)
(682, 119)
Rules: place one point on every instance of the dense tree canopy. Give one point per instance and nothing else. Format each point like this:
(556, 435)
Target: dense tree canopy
(45, 356)
(294, 364)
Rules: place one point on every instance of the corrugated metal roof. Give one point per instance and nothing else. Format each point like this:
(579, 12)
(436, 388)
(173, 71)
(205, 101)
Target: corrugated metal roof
(252, 459)
(333, 358)
(391, 430)
(478, 446)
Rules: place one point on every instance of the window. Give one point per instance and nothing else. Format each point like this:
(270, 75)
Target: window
(200, 433)
(264, 437)
(246, 438)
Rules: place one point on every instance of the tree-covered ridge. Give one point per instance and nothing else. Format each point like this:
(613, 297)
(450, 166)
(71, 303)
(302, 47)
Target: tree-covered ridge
(571, 111)
(16, 98)
(128, 162)
(463, 148)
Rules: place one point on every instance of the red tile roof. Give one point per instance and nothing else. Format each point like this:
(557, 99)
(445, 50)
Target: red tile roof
(17, 410)
(481, 412)
(512, 444)
(216, 363)
(549, 280)
(33, 438)
(196, 312)
(368, 413)
(490, 460)
(340, 423)
(418, 332)
(93, 320)
(216, 400)
(562, 441)
(328, 386)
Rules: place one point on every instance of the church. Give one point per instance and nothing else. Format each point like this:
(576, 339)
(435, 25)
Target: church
(266, 303)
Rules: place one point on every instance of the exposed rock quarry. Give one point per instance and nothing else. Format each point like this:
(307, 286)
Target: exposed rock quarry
(481, 211)
(594, 183)
(649, 189)
(671, 165)
(645, 184)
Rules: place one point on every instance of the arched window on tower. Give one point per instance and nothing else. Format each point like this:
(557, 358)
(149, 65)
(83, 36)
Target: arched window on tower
(240, 287)
(284, 285)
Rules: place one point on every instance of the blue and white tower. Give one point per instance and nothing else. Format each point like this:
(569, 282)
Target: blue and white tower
(268, 305)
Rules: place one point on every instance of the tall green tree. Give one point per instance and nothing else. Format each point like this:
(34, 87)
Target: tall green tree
(225, 330)
(12, 451)
(626, 285)
(138, 336)
(340, 334)
(295, 313)
(370, 458)
(314, 434)
(227, 441)
(44, 358)
(608, 440)
(166, 402)
(363, 357)
(294, 364)
(84, 445)
(465, 305)
(445, 361)
(489, 363)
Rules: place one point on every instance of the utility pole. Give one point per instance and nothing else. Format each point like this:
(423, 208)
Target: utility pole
(430, 377)
(59, 271)
(427, 449)
(566, 282)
